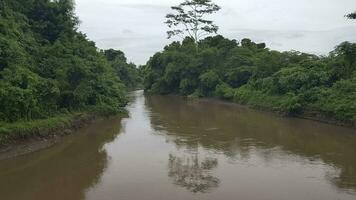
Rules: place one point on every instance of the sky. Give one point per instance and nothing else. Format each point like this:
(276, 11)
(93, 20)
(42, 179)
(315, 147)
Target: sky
(137, 26)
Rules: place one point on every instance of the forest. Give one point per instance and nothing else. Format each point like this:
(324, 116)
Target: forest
(48, 68)
(246, 72)
(290, 82)
(211, 114)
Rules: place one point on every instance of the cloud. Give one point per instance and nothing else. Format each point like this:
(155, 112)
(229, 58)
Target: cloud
(127, 31)
(137, 28)
(276, 44)
(137, 48)
(146, 7)
(317, 42)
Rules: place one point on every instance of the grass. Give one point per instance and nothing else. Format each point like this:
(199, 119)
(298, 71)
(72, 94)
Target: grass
(40, 128)
(21, 130)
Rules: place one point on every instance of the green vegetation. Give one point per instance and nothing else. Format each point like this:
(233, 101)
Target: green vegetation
(127, 72)
(48, 68)
(189, 18)
(26, 129)
(249, 73)
(246, 72)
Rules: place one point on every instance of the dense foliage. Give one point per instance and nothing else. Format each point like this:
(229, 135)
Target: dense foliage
(127, 72)
(47, 67)
(246, 72)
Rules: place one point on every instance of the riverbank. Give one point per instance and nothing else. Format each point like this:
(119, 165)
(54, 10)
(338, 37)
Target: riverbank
(292, 106)
(21, 138)
(281, 106)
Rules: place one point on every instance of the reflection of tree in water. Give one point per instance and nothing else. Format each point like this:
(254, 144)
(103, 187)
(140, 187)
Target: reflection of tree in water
(235, 131)
(192, 174)
(65, 171)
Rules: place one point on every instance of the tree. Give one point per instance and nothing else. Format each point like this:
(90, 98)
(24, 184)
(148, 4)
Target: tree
(351, 15)
(52, 19)
(47, 67)
(346, 52)
(112, 55)
(127, 72)
(189, 19)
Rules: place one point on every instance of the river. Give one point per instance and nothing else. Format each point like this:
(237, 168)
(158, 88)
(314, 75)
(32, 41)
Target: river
(171, 148)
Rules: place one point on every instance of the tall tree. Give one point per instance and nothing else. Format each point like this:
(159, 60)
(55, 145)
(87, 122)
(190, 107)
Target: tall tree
(351, 15)
(51, 19)
(189, 19)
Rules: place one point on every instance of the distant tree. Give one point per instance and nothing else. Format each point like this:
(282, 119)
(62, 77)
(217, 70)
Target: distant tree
(112, 54)
(346, 51)
(127, 72)
(189, 19)
(351, 15)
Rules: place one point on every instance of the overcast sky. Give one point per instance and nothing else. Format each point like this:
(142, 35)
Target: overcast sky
(137, 28)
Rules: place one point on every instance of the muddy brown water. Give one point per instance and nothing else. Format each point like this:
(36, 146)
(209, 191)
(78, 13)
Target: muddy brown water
(170, 148)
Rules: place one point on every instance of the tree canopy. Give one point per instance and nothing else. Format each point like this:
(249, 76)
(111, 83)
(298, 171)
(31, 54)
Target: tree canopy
(247, 72)
(190, 19)
(47, 67)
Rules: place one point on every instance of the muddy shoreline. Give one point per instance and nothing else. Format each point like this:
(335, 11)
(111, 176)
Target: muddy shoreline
(306, 114)
(44, 139)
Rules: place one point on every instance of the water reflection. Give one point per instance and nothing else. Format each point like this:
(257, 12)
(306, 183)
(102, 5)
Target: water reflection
(62, 172)
(240, 133)
(173, 149)
(191, 173)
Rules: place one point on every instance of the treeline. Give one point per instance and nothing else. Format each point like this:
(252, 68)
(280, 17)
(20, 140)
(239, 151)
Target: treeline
(249, 73)
(48, 67)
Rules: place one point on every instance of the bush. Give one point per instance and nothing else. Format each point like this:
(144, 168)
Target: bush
(208, 82)
(186, 87)
(224, 91)
(290, 104)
